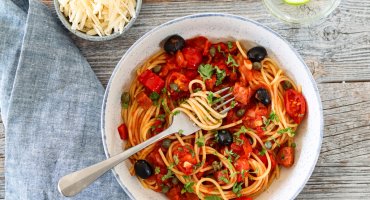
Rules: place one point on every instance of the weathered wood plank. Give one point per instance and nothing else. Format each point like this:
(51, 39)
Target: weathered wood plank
(336, 50)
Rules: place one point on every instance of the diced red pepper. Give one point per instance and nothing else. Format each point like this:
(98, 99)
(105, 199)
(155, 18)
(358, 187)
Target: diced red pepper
(192, 56)
(151, 80)
(123, 132)
(210, 83)
(242, 94)
(143, 100)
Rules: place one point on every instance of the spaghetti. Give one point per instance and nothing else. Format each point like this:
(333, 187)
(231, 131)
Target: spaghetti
(236, 155)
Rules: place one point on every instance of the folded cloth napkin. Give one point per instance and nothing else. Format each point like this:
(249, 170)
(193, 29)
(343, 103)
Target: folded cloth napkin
(50, 103)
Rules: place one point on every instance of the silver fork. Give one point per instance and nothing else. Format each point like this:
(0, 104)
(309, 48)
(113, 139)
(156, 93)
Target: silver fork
(75, 182)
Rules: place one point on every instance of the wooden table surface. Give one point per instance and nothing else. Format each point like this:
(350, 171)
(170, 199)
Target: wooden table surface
(338, 55)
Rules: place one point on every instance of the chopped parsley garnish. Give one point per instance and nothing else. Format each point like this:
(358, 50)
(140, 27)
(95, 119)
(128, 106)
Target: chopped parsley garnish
(222, 178)
(272, 118)
(212, 51)
(205, 71)
(237, 188)
(241, 130)
(294, 145)
(197, 90)
(161, 117)
(287, 130)
(229, 45)
(176, 159)
(168, 175)
(188, 187)
(200, 141)
(243, 173)
(176, 112)
(191, 151)
(164, 90)
(262, 152)
(230, 61)
(213, 197)
(233, 174)
(157, 170)
(210, 97)
(219, 48)
(154, 96)
(231, 154)
(181, 131)
(220, 74)
(233, 104)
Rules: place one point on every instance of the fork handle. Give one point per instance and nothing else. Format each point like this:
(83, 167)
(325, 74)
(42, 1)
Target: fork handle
(75, 182)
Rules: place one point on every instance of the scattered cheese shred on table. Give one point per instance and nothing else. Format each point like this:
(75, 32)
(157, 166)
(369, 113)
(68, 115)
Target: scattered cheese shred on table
(98, 17)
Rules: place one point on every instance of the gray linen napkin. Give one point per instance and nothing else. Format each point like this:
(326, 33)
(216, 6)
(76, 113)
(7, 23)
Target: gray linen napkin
(50, 103)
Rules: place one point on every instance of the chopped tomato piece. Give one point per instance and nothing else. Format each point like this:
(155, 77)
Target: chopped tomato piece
(253, 117)
(242, 166)
(192, 56)
(157, 127)
(191, 74)
(295, 105)
(263, 158)
(285, 157)
(199, 43)
(143, 100)
(180, 60)
(221, 177)
(244, 198)
(246, 74)
(178, 85)
(155, 158)
(186, 158)
(210, 83)
(151, 81)
(174, 193)
(123, 132)
(242, 94)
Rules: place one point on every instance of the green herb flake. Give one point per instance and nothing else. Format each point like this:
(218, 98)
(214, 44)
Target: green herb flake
(219, 48)
(176, 159)
(188, 187)
(237, 188)
(213, 197)
(229, 45)
(157, 170)
(205, 71)
(154, 96)
(220, 75)
(176, 112)
(230, 61)
(233, 104)
(164, 90)
(181, 131)
(168, 175)
(197, 90)
(294, 145)
(200, 141)
(210, 97)
(212, 51)
(241, 130)
(287, 130)
(161, 117)
(262, 152)
(222, 178)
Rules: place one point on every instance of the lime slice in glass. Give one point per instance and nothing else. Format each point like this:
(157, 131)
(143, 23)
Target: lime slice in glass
(296, 2)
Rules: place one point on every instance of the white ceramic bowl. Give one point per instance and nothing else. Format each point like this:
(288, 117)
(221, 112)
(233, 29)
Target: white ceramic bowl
(227, 27)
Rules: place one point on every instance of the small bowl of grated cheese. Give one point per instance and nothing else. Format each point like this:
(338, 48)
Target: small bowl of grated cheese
(97, 20)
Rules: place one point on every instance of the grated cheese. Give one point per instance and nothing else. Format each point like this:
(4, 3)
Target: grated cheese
(98, 17)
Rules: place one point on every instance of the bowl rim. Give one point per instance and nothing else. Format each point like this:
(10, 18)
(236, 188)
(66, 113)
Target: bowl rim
(211, 14)
(97, 38)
